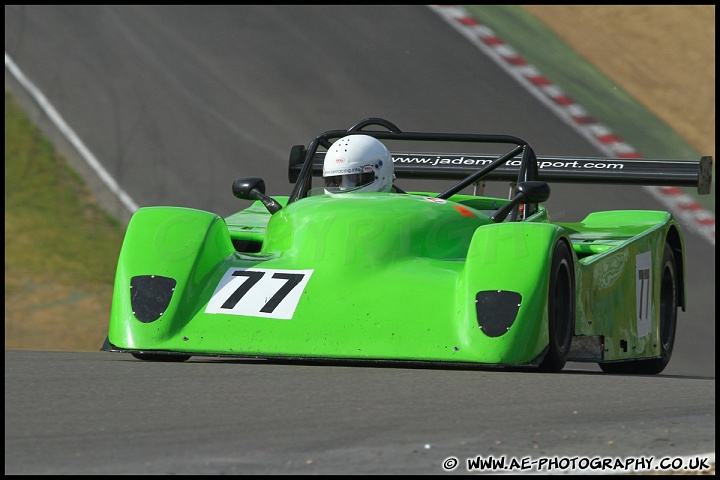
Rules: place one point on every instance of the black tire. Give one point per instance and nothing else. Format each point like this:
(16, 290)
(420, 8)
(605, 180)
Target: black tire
(668, 324)
(154, 357)
(561, 309)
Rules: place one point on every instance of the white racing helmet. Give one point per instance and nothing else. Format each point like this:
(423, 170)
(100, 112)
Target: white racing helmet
(358, 163)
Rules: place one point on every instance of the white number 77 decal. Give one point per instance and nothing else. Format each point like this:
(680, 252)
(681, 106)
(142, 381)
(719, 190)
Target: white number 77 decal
(643, 293)
(259, 292)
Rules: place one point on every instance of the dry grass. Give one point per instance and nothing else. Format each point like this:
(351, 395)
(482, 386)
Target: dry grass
(663, 55)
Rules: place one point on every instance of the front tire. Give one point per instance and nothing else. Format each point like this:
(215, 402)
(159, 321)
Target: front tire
(154, 357)
(668, 324)
(561, 309)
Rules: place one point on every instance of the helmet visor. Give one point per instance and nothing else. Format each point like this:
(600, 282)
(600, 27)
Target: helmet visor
(349, 182)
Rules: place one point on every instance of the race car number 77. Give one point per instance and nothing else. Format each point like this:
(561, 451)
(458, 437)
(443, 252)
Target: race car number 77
(259, 292)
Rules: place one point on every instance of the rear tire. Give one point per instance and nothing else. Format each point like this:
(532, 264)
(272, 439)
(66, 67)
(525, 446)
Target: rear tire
(561, 309)
(668, 324)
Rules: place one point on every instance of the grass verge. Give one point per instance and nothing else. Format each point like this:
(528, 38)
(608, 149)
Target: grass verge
(61, 249)
(589, 87)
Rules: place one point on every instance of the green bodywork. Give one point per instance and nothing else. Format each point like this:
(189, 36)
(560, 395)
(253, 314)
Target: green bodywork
(380, 276)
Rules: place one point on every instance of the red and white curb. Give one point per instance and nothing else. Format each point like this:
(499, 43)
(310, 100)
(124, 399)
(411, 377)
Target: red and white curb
(684, 207)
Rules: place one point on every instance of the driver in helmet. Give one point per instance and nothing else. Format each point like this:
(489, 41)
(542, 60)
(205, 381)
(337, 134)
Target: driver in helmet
(358, 163)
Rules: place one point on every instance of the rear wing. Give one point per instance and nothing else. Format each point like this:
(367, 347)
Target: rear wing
(519, 164)
(630, 171)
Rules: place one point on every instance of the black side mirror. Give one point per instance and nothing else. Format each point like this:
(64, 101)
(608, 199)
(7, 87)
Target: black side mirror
(527, 192)
(253, 188)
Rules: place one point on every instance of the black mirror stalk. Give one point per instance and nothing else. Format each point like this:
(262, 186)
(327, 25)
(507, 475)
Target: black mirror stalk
(527, 192)
(253, 188)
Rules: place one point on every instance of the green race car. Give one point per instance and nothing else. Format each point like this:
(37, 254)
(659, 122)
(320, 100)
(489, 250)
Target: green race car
(448, 277)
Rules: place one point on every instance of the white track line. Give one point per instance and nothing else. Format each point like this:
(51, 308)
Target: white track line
(68, 132)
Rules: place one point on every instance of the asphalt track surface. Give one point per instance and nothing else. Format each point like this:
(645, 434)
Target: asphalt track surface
(177, 102)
